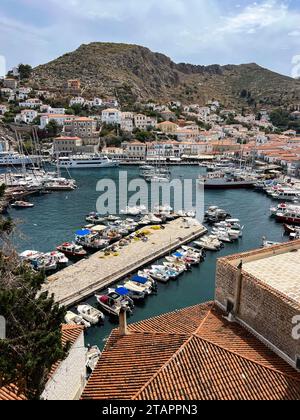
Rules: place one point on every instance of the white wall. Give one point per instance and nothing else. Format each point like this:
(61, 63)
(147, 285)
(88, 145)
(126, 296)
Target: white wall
(69, 379)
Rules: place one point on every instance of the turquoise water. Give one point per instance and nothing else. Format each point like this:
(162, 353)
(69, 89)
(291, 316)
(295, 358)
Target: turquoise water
(56, 217)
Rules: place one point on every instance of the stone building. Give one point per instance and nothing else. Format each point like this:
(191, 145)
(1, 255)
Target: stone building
(262, 290)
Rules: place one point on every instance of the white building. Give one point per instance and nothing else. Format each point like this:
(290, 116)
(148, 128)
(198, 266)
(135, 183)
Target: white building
(67, 378)
(112, 116)
(27, 116)
(31, 103)
(95, 103)
(58, 118)
(56, 110)
(25, 90)
(77, 100)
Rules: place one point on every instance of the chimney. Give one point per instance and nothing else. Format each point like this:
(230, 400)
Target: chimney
(123, 322)
(238, 289)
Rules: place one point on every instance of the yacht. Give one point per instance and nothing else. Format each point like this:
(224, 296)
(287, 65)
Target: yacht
(86, 161)
(15, 159)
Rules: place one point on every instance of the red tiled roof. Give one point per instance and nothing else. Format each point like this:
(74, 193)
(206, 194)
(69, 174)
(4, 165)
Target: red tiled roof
(194, 353)
(70, 334)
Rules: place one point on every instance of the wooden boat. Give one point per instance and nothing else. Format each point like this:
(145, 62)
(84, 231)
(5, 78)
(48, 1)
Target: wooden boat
(72, 250)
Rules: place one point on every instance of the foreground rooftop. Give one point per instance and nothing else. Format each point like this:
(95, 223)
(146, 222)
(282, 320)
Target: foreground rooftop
(194, 353)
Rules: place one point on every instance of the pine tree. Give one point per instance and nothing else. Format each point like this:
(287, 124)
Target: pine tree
(33, 322)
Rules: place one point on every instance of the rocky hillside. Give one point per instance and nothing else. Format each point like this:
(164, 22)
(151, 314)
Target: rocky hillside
(133, 73)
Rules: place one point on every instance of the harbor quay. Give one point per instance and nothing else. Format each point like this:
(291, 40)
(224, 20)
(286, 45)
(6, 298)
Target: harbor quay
(81, 280)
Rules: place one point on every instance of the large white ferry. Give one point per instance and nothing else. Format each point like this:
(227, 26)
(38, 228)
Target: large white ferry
(15, 159)
(86, 161)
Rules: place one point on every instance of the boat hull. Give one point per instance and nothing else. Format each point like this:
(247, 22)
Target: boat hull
(227, 185)
(288, 220)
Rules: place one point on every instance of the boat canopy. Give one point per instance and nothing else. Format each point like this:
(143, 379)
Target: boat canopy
(139, 279)
(98, 228)
(122, 291)
(83, 232)
(177, 255)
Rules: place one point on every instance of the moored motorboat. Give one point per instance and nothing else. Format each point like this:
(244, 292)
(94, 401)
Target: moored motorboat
(22, 205)
(90, 314)
(71, 250)
(74, 319)
(113, 303)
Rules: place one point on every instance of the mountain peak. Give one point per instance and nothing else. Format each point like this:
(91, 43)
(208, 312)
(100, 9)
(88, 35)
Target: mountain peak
(133, 73)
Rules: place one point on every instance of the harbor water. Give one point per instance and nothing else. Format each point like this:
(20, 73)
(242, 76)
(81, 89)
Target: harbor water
(57, 216)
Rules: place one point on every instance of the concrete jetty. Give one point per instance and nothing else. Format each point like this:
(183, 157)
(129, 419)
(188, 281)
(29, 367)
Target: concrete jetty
(83, 279)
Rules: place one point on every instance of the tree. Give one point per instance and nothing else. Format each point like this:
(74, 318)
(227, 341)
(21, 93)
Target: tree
(33, 322)
(25, 71)
(52, 128)
(280, 118)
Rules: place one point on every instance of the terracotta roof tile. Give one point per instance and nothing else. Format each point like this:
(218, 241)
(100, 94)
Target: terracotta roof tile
(194, 353)
(128, 362)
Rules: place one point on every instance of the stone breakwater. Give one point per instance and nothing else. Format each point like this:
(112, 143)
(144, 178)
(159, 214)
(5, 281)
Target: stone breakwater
(83, 279)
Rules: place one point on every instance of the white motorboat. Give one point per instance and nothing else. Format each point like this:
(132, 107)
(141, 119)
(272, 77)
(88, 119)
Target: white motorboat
(74, 319)
(210, 243)
(92, 358)
(232, 234)
(135, 287)
(134, 211)
(90, 314)
(180, 268)
(157, 275)
(172, 273)
(22, 205)
(286, 195)
(222, 236)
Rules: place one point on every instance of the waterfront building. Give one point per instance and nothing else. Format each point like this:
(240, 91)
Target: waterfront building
(67, 377)
(242, 346)
(66, 145)
(135, 150)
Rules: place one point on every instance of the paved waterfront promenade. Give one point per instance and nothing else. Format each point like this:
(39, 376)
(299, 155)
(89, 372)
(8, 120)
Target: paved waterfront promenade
(81, 280)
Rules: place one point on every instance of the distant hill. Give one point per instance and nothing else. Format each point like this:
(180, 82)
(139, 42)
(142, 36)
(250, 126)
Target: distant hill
(134, 73)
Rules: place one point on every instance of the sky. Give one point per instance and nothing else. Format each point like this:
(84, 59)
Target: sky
(196, 31)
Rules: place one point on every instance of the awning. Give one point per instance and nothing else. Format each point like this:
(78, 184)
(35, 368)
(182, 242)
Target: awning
(83, 232)
(122, 291)
(138, 279)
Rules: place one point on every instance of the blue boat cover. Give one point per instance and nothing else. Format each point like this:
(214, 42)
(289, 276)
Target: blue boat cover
(177, 255)
(83, 232)
(122, 291)
(139, 279)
